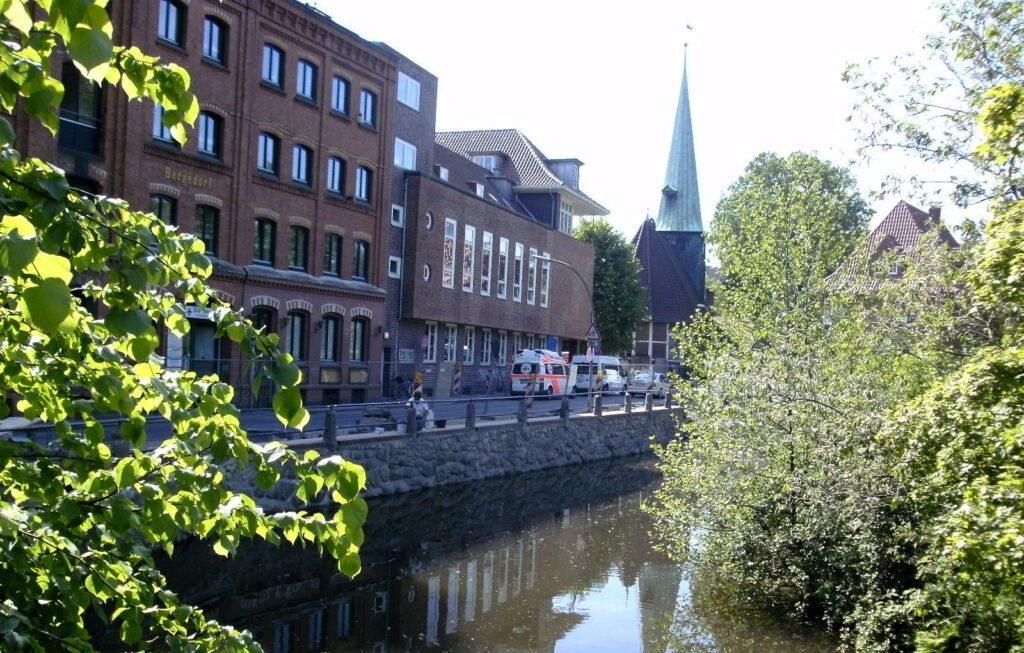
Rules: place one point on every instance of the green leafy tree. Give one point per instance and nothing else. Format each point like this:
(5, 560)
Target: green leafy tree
(619, 299)
(783, 226)
(78, 521)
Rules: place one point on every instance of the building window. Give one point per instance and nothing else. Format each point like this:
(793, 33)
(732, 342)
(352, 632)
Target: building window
(170, 21)
(489, 161)
(502, 347)
(215, 40)
(332, 255)
(442, 173)
(478, 188)
(315, 636)
(264, 241)
(518, 343)
(263, 318)
(357, 343)
(283, 638)
(161, 132)
(301, 156)
(405, 154)
(485, 263)
(565, 218)
(368, 107)
(397, 215)
(79, 112)
(208, 227)
(408, 91)
(344, 619)
(530, 342)
(426, 272)
(451, 335)
(531, 278)
(273, 65)
(210, 134)
(364, 183)
(517, 274)
(502, 268)
(395, 267)
(329, 338)
(336, 175)
(360, 259)
(448, 254)
(468, 257)
(295, 335)
(430, 342)
(339, 94)
(469, 346)
(305, 80)
(545, 280)
(485, 347)
(164, 207)
(298, 248)
(266, 153)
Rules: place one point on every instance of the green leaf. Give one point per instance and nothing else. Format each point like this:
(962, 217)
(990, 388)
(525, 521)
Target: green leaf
(121, 323)
(50, 266)
(18, 16)
(288, 408)
(47, 304)
(6, 132)
(350, 565)
(125, 473)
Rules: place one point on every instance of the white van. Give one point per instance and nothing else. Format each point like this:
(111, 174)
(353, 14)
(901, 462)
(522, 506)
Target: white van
(613, 380)
(550, 368)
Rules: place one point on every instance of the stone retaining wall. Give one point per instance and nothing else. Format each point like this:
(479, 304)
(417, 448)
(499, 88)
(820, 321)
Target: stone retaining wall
(399, 463)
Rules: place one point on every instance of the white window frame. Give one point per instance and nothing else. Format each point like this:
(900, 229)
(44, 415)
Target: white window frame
(430, 331)
(399, 211)
(408, 91)
(502, 268)
(488, 161)
(451, 234)
(468, 257)
(545, 280)
(485, 346)
(517, 278)
(517, 341)
(450, 343)
(469, 345)
(478, 188)
(502, 347)
(486, 253)
(405, 154)
(396, 263)
(442, 173)
(531, 342)
(531, 278)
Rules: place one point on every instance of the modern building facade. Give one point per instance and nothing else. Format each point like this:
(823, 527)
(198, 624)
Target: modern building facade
(286, 177)
(671, 248)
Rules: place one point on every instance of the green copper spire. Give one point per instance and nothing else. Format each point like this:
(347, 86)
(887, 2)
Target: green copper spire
(680, 201)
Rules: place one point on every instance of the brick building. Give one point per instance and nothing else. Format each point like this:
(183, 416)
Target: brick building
(286, 176)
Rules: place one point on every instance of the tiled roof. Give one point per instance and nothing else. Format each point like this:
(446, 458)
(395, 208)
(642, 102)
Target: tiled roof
(900, 231)
(530, 167)
(671, 297)
(461, 171)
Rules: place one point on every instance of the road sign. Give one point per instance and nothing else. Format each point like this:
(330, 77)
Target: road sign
(593, 333)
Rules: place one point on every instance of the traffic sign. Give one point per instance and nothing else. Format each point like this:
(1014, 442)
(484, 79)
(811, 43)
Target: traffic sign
(593, 333)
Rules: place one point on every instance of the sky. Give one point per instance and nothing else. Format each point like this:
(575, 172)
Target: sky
(600, 81)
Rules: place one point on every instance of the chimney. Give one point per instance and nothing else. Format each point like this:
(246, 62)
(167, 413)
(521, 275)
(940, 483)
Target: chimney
(935, 213)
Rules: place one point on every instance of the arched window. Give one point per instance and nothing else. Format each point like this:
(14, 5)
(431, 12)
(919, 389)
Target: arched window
(211, 134)
(332, 255)
(295, 335)
(215, 40)
(336, 175)
(329, 332)
(164, 207)
(302, 156)
(298, 248)
(267, 153)
(360, 259)
(358, 340)
(208, 227)
(264, 317)
(264, 241)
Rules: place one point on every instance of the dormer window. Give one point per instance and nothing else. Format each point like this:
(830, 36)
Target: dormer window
(477, 188)
(441, 172)
(489, 161)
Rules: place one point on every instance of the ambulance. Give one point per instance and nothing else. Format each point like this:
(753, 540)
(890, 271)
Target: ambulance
(551, 370)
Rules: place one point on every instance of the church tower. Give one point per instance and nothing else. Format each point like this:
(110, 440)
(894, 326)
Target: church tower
(679, 218)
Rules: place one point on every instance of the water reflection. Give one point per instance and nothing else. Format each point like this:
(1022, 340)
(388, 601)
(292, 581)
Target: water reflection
(553, 561)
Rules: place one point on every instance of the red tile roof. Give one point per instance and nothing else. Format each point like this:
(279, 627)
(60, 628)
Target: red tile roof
(529, 164)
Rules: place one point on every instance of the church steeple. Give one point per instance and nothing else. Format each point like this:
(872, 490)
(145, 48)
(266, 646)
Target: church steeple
(680, 201)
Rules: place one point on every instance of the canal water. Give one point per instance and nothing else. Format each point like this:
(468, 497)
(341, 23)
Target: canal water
(559, 560)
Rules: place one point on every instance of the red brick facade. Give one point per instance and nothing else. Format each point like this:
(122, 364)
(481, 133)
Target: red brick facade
(131, 163)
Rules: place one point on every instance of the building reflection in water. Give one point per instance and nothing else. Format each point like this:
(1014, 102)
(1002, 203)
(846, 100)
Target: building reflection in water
(457, 568)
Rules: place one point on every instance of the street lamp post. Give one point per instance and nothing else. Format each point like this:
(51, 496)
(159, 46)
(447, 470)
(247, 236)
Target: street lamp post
(590, 295)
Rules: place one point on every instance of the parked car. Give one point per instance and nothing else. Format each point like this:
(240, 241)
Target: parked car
(610, 379)
(644, 382)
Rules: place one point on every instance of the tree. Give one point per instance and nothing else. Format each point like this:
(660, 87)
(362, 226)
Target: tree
(784, 225)
(77, 522)
(618, 297)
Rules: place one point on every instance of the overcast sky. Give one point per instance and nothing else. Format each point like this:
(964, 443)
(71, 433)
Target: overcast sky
(599, 81)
